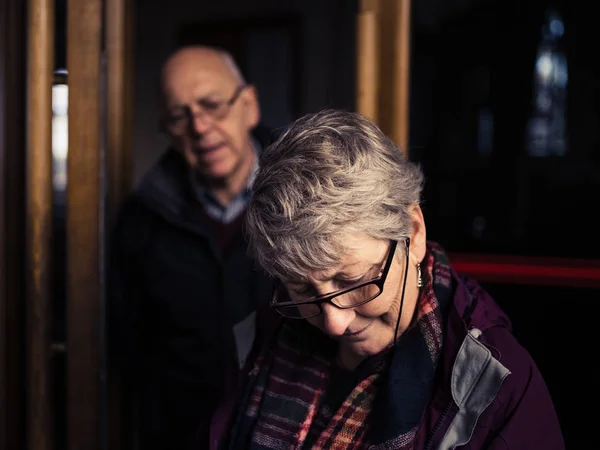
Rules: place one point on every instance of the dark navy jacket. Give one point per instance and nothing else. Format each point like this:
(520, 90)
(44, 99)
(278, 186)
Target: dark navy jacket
(174, 299)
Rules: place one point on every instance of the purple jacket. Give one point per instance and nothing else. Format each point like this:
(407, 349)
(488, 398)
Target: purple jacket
(489, 395)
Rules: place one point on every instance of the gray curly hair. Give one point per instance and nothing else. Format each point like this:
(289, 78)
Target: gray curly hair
(329, 174)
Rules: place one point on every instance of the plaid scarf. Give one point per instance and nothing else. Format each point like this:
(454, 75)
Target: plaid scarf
(283, 406)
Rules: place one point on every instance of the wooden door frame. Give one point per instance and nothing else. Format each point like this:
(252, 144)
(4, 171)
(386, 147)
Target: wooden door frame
(99, 177)
(383, 66)
(85, 200)
(38, 226)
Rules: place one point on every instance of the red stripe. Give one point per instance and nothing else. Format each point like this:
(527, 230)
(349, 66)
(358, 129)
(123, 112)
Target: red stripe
(528, 270)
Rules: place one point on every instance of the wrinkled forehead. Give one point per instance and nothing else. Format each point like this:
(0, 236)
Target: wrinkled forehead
(192, 82)
(320, 275)
(357, 255)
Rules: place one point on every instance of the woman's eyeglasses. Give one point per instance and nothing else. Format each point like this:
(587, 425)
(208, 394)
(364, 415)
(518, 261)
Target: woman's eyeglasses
(346, 298)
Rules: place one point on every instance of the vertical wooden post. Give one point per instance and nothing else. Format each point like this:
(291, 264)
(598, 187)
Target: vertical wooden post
(367, 70)
(13, 52)
(40, 23)
(85, 196)
(401, 57)
(119, 146)
(383, 66)
(119, 106)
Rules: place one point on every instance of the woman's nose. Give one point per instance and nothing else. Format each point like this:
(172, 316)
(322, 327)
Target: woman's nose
(335, 320)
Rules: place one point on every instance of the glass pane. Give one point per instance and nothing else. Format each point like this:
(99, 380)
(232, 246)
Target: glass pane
(505, 121)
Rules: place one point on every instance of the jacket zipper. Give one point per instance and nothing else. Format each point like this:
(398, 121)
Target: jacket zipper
(437, 426)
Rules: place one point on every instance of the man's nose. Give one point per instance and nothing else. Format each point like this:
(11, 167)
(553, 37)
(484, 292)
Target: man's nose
(335, 320)
(200, 122)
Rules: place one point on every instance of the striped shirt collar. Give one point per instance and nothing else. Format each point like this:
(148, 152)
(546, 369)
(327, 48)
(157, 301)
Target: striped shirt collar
(214, 208)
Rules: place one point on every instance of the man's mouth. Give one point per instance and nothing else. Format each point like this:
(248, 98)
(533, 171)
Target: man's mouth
(208, 148)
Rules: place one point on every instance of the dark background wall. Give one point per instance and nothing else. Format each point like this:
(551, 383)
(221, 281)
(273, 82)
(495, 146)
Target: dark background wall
(503, 198)
(319, 73)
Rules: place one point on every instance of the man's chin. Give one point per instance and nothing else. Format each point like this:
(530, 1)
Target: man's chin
(214, 172)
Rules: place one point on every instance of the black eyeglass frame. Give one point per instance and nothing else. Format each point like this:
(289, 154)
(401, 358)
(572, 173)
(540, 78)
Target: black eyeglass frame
(169, 122)
(379, 281)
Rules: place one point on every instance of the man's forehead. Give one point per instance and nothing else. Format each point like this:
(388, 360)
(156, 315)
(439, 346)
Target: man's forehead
(186, 79)
(185, 87)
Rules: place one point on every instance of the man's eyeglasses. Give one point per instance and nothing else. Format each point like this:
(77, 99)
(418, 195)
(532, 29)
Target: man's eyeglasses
(346, 298)
(178, 123)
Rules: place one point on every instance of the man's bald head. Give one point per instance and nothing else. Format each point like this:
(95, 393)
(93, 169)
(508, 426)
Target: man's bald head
(209, 112)
(191, 59)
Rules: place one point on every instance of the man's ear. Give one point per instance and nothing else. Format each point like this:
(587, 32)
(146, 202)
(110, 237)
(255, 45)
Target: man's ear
(418, 238)
(251, 107)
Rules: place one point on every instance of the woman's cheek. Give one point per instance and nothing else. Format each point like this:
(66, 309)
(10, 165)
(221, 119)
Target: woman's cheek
(375, 308)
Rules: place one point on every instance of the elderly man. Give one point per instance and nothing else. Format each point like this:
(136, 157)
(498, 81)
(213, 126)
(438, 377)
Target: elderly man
(183, 292)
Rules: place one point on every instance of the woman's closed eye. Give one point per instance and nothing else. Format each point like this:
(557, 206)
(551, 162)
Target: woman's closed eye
(303, 291)
(340, 283)
(349, 282)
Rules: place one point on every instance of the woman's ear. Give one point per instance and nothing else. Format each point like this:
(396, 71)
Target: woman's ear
(418, 238)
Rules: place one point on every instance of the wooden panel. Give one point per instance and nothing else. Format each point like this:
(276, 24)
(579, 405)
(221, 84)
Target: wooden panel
(401, 57)
(383, 66)
(12, 223)
(40, 24)
(394, 69)
(119, 106)
(84, 224)
(367, 67)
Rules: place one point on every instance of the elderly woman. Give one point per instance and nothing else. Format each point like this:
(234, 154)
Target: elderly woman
(381, 344)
